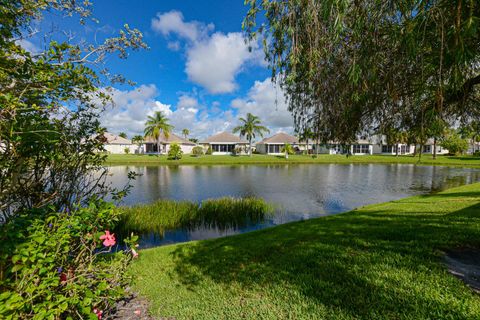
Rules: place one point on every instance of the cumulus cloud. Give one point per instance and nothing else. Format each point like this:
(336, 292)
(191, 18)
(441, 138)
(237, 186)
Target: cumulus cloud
(213, 60)
(28, 45)
(132, 107)
(268, 102)
(173, 22)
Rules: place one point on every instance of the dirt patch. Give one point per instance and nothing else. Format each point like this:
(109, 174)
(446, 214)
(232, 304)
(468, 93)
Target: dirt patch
(464, 263)
(132, 308)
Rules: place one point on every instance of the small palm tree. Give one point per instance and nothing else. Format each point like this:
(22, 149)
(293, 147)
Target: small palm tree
(185, 133)
(156, 125)
(249, 128)
(123, 135)
(138, 140)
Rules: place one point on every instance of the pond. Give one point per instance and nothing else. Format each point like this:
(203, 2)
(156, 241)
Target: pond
(298, 191)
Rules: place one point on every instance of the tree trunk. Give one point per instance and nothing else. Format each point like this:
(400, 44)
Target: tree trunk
(158, 146)
(434, 148)
(396, 150)
(420, 153)
(316, 148)
(250, 148)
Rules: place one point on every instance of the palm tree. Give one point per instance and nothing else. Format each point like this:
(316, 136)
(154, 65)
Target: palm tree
(123, 135)
(138, 140)
(185, 133)
(249, 128)
(156, 125)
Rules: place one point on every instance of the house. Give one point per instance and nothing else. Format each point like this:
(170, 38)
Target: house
(276, 143)
(428, 147)
(359, 147)
(116, 144)
(150, 145)
(392, 149)
(224, 143)
(473, 146)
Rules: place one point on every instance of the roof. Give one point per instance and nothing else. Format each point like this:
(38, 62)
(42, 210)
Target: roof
(223, 137)
(172, 138)
(280, 138)
(114, 139)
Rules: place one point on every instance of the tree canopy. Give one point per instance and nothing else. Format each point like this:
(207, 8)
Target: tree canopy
(353, 67)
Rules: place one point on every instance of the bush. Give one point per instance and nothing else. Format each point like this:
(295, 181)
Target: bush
(288, 149)
(454, 143)
(197, 151)
(54, 265)
(477, 153)
(209, 151)
(175, 152)
(126, 150)
(238, 151)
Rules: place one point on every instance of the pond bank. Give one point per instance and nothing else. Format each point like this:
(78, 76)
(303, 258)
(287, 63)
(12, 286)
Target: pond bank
(124, 159)
(379, 261)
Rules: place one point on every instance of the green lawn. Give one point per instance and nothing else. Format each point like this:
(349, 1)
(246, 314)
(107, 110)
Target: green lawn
(381, 261)
(119, 159)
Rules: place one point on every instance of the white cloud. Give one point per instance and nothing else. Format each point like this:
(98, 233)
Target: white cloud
(213, 60)
(267, 102)
(28, 45)
(132, 107)
(173, 22)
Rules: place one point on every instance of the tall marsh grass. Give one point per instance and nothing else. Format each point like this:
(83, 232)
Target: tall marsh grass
(221, 213)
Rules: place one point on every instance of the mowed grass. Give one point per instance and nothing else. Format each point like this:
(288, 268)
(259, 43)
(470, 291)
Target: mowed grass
(120, 159)
(381, 261)
(221, 213)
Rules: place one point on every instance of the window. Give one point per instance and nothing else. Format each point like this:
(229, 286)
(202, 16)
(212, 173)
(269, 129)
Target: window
(427, 149)
(361, 148)
(274, 148)
(223, 147)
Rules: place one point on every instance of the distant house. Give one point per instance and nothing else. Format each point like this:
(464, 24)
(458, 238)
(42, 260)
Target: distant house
(150, 144)
(359, 147)
(391, 149)
(116, 144)
(276, 143)
(223, 143)
(473, 146)
(428, 147)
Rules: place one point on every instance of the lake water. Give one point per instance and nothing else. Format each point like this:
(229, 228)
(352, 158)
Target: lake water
(298, 191)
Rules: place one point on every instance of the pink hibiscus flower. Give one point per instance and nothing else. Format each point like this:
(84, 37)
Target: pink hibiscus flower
(108, 239)
(134, 253)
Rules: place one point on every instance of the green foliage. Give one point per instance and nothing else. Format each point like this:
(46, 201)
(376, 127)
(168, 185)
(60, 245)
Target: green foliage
(53, 264)
(222, 213)
(123, 135)
(175, 152)
(157, 125)
(454, 143)
(288, 149)
(197, 151)
(347, 67)
(209, 150)
(126, 150)
(249, 128)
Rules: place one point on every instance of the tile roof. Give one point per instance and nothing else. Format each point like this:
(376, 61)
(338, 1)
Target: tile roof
(114, 139)
(223, 137)
(172, 138)
(280, 138)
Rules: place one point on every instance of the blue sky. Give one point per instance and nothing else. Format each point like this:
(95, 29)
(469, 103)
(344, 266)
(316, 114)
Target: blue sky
(198, 69)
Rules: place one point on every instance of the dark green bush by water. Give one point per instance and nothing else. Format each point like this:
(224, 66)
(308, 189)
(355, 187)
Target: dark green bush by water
(222, 213)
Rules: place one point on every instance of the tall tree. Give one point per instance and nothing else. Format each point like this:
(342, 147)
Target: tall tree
(355, 64)
(185, 133)
(157, 125)
(249, 128)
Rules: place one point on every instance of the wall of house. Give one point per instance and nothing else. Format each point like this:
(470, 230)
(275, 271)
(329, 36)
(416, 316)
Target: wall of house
(261, 148)
(429, 150)
(185, 148)
(120, 148)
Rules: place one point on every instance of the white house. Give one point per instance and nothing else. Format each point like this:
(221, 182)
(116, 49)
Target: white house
(224, 143)
(428, 147)
(116, 144)
(150, 145)
(391, 149)
(276, 143)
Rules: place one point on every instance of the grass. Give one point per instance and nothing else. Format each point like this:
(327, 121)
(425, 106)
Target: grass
(222, 213)
(381, 261)
(120, 159)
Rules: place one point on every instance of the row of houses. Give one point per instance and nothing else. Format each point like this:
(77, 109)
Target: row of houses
(225, 143)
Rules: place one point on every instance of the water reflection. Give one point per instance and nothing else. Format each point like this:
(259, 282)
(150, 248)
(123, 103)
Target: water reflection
(300, 191)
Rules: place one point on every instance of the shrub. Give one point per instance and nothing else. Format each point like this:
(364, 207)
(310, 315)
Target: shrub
(288, 149)
(238, 151)
(126, 150)
(54, 265)
(197, 151)
(175, 152)
(454, 143)
(477, 153)
(209, 151)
